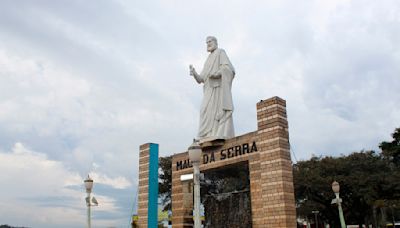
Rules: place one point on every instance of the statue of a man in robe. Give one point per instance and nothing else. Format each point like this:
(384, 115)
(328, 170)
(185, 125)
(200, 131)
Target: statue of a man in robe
(217, 106)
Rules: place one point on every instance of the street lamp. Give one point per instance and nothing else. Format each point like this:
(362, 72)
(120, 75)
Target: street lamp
(338, 201)
(195, 156)
(316, 218)
(90, 201)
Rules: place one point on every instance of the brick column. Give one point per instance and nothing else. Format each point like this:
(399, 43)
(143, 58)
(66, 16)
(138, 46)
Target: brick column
(182, 196)
(257, 211)
(275, 166)
(148, 185)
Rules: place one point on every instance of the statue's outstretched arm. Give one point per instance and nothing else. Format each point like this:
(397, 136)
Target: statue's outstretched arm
(194, 73)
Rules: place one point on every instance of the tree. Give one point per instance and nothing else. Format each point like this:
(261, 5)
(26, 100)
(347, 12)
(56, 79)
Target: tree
(363, 177)
(391, 153)
(165, 181)
(391, 150)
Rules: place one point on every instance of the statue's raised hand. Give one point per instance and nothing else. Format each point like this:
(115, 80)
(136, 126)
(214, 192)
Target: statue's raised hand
(192, 70)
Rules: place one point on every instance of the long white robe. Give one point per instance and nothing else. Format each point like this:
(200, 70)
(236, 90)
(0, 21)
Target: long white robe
(217, 105)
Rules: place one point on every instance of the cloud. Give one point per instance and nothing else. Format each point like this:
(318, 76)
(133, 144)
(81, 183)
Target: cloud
(350, 77)
(26, 175)
(119, 182)
(84, 84)
(44, 191)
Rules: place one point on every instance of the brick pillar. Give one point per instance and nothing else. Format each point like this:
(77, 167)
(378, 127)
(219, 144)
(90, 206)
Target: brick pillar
(257, 211)
(275, 167)
(182, 198)
(148, 185)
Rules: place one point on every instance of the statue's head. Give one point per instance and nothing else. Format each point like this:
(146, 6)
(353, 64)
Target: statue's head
(212, 43)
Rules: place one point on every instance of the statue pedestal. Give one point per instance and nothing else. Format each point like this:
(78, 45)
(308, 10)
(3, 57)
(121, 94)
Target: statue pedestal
(211, 142)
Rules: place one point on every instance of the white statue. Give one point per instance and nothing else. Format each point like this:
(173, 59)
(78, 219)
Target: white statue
(217, 107)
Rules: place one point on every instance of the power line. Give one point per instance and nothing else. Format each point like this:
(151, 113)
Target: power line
(133, 205)
(292, 151)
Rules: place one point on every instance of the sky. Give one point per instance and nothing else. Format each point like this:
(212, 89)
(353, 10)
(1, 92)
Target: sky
(84, 83)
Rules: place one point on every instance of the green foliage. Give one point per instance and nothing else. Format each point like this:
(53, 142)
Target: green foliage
(391, 150)
(357, 179)
(165, 181)
(368, 183)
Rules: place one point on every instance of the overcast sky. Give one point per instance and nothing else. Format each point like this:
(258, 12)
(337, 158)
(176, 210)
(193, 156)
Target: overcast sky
(84, 83)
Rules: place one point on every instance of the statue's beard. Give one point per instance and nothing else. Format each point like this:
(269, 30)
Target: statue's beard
(211, 49)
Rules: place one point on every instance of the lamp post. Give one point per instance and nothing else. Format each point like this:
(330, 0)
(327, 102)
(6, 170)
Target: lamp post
(90, 201)
(195, 156)
(338, 201)
(316, 218)
(394, 220)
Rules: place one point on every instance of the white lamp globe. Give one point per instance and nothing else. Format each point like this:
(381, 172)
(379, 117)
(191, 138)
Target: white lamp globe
(88, 184)
(195, 152)
(335, 187)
